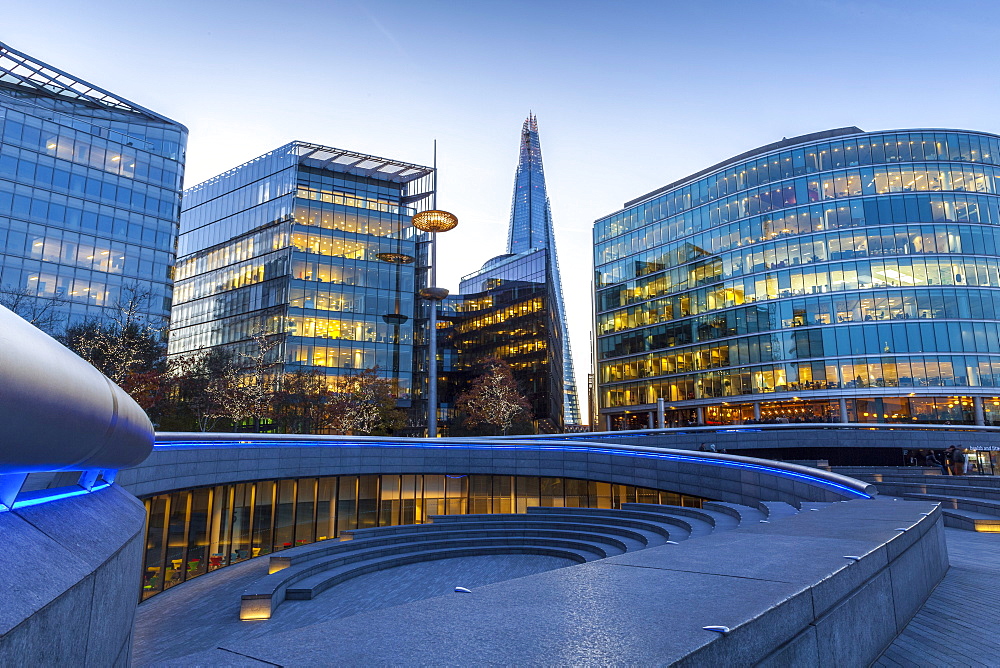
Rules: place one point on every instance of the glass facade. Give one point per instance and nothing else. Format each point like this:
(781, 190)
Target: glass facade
(290, 244)
(192, 532)
(842, 276)
(89, 194)
(505, 310)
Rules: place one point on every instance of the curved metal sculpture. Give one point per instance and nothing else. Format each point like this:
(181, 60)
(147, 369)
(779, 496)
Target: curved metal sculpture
(59, 413)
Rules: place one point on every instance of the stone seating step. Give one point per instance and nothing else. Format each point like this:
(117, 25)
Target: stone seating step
(985, 481)
(971, 521)
(972, 491)
(699, 522)
(715, 519)
(261, 598)
(310, 587)
(639, 537)
(625, 540)
(742, 514)
(949, 501)
(654, 528)
(776, 509)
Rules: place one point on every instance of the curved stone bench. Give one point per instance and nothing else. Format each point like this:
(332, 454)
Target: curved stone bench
(310, 587)
(400, 529)
(654, 528)
(424, 532)
(742, 514)
(260, 599)
(776, 509)
(698, 523)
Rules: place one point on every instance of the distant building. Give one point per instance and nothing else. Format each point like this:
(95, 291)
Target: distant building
(512, 308)
(89, 194)
(311, 245)
(842, 276)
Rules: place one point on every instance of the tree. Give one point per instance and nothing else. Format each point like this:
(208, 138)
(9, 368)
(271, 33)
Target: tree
(122, 344)
(305, 404)
(195, 386)
(42, 312)
(246, 389)
(493, 398)
(365, 404)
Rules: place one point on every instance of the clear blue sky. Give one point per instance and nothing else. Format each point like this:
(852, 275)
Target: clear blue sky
(629, 95)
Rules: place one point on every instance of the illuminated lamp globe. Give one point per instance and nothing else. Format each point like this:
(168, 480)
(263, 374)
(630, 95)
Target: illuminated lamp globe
(435, 221)
(434, 294)
(395, 258)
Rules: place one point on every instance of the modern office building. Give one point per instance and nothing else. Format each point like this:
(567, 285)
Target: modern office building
(312, 246)
(89, 194)
(837, 276)
(512, 308)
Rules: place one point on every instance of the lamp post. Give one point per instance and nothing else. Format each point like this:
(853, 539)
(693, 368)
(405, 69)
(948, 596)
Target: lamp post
(432, 222)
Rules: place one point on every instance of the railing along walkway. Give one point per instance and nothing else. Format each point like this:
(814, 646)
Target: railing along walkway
(956, 626)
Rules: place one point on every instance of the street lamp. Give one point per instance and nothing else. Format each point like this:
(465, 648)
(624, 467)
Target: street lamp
(432, 222)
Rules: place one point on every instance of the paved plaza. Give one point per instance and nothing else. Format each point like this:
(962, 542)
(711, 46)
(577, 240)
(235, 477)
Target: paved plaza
(192, 624)
(956, 627)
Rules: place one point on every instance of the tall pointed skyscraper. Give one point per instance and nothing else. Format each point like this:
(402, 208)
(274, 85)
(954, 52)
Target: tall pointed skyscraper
(513, 309)
(530, 229)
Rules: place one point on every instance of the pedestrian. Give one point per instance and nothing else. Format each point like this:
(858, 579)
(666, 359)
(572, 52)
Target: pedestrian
(943, 458)
(711, 447)
(957, 461)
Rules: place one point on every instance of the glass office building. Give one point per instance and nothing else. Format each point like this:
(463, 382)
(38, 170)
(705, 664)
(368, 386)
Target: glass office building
(311, 246)
(843, 276)
(507, 310)
(89, 194)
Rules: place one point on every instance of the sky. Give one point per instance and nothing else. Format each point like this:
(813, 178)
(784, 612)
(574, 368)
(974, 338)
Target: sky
(629, 95)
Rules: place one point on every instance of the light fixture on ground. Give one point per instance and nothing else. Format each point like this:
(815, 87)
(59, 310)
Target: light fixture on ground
(432, 222)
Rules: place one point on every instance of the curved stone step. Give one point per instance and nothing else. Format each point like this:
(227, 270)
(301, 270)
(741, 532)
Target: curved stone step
(260, 599)
(945, 488)
(310, 587)
(948, 501)
(652, 529)
(622, 533)
(971, 521)
(742, 514)
(703, 521)
(692, 525)
(776, 509)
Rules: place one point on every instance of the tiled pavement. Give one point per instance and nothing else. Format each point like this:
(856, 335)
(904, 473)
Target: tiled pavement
(957, 625)
(204, 613)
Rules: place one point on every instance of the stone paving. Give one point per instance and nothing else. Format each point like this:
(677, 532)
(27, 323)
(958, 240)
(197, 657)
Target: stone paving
(957, 625)
(185, 625)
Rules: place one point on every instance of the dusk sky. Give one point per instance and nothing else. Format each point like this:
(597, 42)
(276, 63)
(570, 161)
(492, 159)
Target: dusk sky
(629, 95)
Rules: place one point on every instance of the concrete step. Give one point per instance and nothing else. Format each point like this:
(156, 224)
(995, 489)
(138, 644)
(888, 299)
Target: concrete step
(742, 514)
(652, 529)
(703, 521)
(776, 509)
(693, 526)
(951, 502)
(971, 491)
(406, 531)
(971, 521)
(309, 588)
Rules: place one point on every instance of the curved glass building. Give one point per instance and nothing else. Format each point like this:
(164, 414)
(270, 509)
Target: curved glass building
(839, 276)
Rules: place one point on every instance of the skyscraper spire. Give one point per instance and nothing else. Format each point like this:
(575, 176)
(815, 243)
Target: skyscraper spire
(531, 228)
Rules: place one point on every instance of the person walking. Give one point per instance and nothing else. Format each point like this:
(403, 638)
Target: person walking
(957, 461)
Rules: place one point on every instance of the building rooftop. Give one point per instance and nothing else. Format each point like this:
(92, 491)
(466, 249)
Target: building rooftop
(785, 142)
(20, 72)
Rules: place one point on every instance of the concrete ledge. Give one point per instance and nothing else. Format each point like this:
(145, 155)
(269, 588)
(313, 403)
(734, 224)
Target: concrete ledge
(70, 571)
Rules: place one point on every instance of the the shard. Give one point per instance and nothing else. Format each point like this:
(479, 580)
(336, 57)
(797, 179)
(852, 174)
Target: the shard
(531, 229)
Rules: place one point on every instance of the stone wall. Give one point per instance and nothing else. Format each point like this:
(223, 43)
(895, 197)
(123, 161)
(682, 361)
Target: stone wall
(70, 580)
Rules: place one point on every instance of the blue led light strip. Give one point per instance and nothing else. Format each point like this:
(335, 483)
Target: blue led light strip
(761, 468)
(55, 495)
